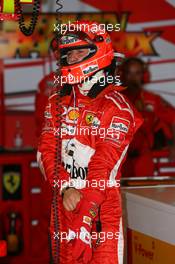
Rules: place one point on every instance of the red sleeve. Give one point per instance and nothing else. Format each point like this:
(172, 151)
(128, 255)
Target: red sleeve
(48, 145)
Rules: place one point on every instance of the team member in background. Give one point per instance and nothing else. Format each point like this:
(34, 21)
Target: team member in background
(159, 120)
(90, 103)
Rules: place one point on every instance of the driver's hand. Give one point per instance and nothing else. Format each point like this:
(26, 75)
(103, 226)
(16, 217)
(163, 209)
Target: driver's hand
(71, 199)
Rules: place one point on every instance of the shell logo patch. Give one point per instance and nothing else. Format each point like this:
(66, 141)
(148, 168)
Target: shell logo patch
(73, 114)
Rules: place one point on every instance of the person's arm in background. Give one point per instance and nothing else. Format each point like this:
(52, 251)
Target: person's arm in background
(166, 112)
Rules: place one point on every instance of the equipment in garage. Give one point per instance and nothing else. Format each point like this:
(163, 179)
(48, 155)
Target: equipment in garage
(13, 10)
(25, 210)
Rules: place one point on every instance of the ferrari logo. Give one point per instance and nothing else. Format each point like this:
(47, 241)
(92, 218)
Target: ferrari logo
(11, 181)
(89, 118)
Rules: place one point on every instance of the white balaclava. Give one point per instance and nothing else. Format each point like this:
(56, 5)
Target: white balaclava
(87, 85)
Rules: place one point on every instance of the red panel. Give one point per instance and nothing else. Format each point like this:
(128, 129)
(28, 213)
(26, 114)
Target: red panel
(27, 122)
(32, 207)
(167, 32)
(143, 11)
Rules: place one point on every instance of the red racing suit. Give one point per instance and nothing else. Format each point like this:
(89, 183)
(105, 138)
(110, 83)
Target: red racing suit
(164, 113)
(95, 156)
(157, 114)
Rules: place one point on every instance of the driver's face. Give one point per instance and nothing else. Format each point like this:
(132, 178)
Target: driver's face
(74, 56)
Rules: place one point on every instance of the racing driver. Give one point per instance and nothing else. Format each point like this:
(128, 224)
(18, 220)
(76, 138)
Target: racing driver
(97, 126)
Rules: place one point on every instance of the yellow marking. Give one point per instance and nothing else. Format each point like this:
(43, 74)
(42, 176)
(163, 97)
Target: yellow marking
(9, 5)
